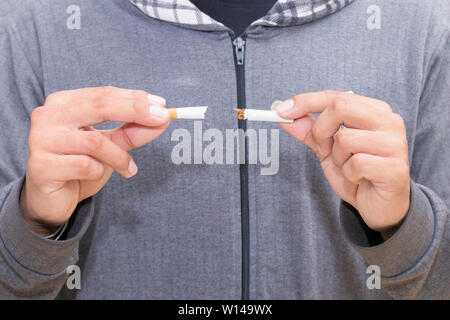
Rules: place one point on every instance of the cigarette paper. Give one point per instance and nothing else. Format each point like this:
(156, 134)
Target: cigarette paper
(188, 113)
(260, 115)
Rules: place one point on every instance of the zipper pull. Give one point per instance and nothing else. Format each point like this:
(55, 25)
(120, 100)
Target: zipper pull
(239, 45)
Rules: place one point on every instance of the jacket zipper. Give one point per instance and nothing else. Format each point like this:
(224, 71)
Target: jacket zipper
(239, 58)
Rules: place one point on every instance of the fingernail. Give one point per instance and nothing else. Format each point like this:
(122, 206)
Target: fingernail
(159, 113)
(132, 168)
(286, 106)
(156, 100)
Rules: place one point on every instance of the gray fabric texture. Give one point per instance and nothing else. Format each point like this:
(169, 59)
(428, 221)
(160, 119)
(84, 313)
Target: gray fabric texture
(174, 231)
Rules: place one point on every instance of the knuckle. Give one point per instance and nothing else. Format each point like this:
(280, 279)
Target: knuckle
(398, 144)
(37, 115)
(35, 165)
(34, 140)
(385, 106)
(357, 162)
(139, 94)
(97, 172)
(337, 159)
(107, 90)
(343, 139)
(53, 98)
(100, 103)
(402, 169)
(398, 122)
(94, 141)
(297, 99)
(83, 166)
(332, 94)
(135, 107)
(389, 144)
(339, 104)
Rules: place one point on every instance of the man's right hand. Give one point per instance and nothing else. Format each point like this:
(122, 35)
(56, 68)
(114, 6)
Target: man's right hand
(69, 160)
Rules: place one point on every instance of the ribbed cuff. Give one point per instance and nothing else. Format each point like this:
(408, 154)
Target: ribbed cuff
(405, 248)
(32, 251)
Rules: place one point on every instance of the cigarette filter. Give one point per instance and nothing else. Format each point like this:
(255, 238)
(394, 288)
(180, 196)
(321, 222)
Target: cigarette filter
(260, 115)
(188, 113)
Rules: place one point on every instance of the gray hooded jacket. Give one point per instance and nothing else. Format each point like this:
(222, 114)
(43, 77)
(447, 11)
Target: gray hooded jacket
(197, 224)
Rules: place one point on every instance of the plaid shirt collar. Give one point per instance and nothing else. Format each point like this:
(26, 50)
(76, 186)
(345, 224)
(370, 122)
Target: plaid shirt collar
(283, 13)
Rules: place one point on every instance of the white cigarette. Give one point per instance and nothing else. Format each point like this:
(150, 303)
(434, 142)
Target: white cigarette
(260, 115)
(188, 113)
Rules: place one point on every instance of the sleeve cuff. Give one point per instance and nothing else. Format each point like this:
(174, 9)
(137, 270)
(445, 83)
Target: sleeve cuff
(405, 248)
(32, 251)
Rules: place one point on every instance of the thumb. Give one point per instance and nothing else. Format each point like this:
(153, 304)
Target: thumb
(131, 135)
(89, 188)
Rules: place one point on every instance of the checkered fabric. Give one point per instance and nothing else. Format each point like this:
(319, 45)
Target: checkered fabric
(283, 13)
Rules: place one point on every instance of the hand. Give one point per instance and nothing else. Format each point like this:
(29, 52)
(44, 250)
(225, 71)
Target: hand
(70, 161)
(366, 163)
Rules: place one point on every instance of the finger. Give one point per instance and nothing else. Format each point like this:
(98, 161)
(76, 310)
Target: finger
(104, 109)
(300, 129)
(130, 135)
(366, 167)
(351, 114)
(67, 167)
(94, 144)
(351, 141)
(317, 102)
(78, 95)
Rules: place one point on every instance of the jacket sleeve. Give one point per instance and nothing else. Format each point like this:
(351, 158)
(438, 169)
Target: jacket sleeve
(31, 266)
(415, 262)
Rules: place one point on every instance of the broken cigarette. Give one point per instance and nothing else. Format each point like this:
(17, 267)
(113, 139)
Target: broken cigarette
(260, 115)
(188, 113)
(264, 115)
